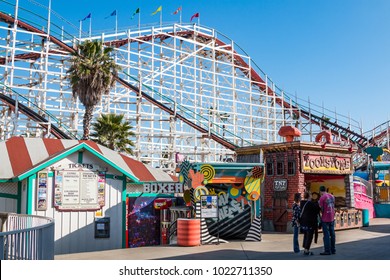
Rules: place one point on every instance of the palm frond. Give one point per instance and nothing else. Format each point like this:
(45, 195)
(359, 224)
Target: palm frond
(91, 73)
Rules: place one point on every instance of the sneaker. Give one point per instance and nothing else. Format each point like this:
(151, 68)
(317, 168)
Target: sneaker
(324, 253)
(308, 253)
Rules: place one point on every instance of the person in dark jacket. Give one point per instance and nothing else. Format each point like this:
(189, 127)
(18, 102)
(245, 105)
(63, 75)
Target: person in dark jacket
(308, 221)
(296, 213)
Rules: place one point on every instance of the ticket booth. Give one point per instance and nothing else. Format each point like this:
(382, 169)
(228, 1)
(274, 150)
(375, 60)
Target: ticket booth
(79, 184)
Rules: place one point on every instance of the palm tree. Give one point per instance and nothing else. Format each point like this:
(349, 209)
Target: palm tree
(91, 74)
(114, 132)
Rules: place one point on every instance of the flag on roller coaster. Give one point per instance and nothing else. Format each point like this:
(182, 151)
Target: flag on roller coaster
(136, 12)
(195, 16)
(177, 11)
(112, 14)
(88, 16)
(90, 24)
(159, 9)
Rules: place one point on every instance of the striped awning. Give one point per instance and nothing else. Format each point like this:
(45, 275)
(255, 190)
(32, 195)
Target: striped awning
(20, 155)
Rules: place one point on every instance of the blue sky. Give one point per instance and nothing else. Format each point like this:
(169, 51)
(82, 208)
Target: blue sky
(335, 52)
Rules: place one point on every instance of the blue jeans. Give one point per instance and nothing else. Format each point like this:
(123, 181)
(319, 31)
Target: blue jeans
(329, 237)
(295, 239)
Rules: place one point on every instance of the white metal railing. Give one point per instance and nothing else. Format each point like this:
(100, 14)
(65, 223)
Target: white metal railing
(26, 237)
(364, 187)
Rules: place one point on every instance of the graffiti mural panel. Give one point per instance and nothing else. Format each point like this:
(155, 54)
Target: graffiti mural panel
(144, 222)
(234, 216)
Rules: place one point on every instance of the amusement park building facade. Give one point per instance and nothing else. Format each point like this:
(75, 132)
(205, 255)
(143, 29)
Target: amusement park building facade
(296, 167)
(192, 95)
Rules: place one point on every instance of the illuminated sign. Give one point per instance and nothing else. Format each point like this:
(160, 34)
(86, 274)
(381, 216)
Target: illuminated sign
(163, 187)
(162, 203)
(325, 164)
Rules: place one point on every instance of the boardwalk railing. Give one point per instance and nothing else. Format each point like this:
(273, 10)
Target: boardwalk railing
(26, 237)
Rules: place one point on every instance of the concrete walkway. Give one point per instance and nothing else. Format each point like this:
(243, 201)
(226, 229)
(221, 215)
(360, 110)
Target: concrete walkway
(367, 243)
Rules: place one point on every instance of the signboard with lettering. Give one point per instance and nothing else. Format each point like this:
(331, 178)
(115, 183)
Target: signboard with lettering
(163, 188)
(79, 190)
(162, 203)
(80, 166)
(280, 185)
(312, 162)
(70, 187)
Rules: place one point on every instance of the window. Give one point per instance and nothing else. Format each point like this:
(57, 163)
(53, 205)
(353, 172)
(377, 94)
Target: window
(279, 168)
(270, 169)
(291, 167)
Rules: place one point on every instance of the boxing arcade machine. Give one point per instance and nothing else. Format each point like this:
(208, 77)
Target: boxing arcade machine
(162, 205)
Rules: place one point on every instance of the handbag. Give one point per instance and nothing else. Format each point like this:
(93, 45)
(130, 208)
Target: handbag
(319, 222)
(302, 228)
(303, 209)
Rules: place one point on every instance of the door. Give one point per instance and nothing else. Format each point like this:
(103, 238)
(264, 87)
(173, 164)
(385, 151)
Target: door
(280, 206)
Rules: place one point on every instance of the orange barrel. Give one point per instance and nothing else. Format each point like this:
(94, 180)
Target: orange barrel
(188, 232)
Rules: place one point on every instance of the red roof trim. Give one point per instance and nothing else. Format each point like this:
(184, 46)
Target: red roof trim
(93, 145)
(139, 169)
(18, 155)
(53, 146)
(174, 178)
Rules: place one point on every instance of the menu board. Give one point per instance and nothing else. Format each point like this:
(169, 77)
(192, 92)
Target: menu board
(89, 190)
(70, 187)
(79, 190)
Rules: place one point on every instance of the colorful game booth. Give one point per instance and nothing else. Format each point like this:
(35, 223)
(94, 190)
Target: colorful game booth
(211, 203)
(377, 175)
(296, 166)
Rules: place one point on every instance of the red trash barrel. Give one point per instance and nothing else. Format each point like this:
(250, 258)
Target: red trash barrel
(188, 232)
